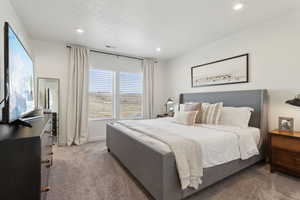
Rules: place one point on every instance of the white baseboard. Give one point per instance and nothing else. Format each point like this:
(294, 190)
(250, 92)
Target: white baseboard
(97, 138)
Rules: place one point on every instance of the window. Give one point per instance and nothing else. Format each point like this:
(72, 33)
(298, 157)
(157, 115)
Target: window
(131, 90)
(100, 94)
(122, 100)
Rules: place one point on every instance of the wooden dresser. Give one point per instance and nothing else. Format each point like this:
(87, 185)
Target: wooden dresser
(25, 160)
(285, 152)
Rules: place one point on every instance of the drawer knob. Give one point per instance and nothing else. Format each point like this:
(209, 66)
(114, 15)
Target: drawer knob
(45, 161)
(45, 189)
(51, 154)
(48, 166)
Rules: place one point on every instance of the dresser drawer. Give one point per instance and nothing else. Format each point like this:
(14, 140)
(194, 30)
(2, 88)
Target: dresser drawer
(286, 159)
(46, 160)
(45, 170)
(46, 146)
(286, 143)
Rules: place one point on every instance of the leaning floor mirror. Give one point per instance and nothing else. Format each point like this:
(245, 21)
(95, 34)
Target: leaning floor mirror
(48, 99)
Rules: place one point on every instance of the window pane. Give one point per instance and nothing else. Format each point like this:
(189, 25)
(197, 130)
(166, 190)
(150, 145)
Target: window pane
(100, 94)
(131, 90)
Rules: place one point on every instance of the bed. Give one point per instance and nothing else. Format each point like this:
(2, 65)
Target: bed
(155, 168)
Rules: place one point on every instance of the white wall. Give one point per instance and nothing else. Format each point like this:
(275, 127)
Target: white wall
(8, 14)
(274, 49)
(51, 61)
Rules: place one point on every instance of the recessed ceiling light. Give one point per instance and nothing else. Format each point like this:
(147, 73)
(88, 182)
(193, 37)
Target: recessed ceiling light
(158, 49)
(79, 31)
(238, 6)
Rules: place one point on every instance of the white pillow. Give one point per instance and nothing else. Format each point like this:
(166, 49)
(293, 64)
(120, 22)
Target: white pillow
(211, 113)
(192, 107)
(185, 117)
(236, 116)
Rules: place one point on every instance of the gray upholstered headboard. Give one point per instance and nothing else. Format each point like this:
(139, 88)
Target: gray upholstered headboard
(256, 99)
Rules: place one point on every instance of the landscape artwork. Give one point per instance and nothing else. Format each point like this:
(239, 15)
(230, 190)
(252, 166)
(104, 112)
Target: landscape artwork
(227, 71)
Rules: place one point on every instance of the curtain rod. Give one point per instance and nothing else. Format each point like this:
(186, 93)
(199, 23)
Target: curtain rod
(113, 54)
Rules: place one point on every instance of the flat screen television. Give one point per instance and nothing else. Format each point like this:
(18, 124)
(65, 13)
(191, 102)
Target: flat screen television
(18, 78)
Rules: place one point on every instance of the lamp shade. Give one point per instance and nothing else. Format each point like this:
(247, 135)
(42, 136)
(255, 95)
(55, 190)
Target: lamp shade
(294, 102)
(170, 100)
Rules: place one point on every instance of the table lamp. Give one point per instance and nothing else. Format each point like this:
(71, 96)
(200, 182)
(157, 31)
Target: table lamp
(169, 102)
(295, 101)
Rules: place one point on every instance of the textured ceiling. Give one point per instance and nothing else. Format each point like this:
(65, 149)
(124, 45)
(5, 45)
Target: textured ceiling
(138, 27)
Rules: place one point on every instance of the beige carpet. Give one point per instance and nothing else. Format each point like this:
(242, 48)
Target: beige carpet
(88, 172)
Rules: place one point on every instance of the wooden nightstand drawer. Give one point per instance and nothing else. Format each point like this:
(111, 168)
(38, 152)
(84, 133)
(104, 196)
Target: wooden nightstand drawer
(285, 152)
(285, 143)
(286, 159)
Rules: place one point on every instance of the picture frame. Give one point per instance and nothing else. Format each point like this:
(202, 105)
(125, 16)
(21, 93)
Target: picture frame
(231, 70)
(286, 124)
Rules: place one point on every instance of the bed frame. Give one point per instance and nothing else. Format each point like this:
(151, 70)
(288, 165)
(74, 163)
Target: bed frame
(156, 170)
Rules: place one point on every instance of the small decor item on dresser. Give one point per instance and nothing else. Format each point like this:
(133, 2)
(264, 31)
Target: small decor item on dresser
(286, 124)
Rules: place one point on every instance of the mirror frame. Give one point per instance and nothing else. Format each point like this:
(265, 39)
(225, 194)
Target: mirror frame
(38, 88)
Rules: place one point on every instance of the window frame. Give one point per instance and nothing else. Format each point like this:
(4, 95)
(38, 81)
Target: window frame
(116, 98)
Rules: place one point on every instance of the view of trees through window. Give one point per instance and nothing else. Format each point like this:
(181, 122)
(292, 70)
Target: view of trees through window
(102, 94)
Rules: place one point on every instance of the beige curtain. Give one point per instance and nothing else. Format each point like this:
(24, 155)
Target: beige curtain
(148, 76)
(77, 110)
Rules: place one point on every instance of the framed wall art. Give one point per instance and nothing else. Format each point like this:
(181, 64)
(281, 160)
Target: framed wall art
(227, 71)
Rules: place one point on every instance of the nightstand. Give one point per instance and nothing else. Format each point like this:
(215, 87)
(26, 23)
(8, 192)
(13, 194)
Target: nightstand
(285, 152)
(165, 115)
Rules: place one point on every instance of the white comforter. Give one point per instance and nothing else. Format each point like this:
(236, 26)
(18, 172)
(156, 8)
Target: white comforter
(219, 144)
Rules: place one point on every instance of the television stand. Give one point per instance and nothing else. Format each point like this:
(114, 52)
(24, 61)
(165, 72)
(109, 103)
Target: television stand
(26, 157)
(19, 122)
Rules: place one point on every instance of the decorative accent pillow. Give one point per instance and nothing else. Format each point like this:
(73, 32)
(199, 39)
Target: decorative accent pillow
(236, 116)
(185, 117)
(176, 107)
(192, 107)
(211, 113)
